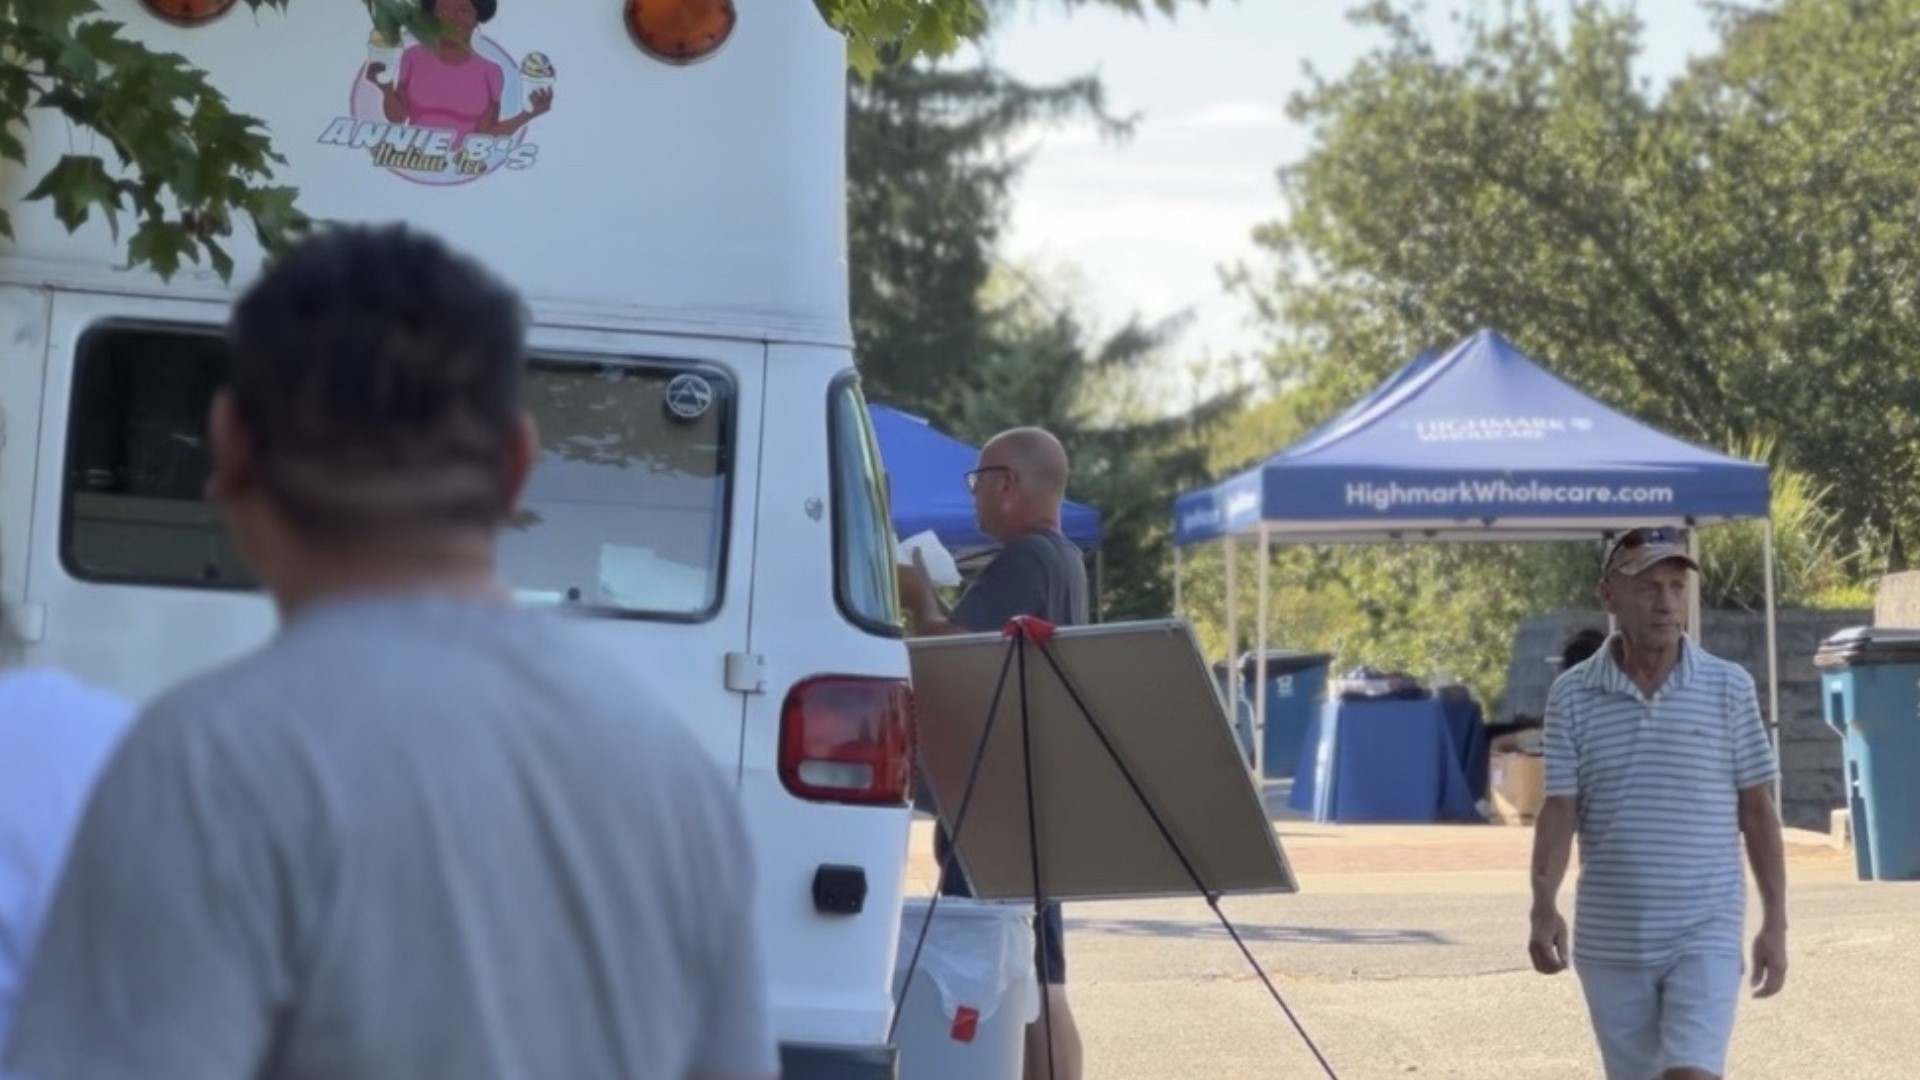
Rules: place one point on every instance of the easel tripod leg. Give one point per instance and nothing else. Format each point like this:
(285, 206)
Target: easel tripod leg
(959, 822)
(1193, 874)
(1033, 853)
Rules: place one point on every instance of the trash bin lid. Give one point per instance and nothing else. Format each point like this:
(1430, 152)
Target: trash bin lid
(1863, 646)
(1282, 662)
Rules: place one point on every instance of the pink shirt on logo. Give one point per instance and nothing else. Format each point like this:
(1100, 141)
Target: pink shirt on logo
(449, 97)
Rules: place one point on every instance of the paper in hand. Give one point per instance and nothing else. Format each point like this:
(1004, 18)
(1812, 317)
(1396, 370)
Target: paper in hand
(939, 561)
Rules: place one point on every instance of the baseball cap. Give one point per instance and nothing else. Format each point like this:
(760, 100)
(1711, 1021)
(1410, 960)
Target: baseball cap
(1634, 551)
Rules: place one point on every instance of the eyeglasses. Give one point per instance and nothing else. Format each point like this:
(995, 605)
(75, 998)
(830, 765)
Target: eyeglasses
(1634, 538)
(973, 476)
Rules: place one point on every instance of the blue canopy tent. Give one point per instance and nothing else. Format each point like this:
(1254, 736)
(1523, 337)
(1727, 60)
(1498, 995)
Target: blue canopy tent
(1479, 443)
(926, 473)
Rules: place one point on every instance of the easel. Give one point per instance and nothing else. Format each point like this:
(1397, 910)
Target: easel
(1025, 636)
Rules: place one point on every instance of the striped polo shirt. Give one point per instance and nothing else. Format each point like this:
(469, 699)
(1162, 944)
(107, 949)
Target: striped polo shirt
(1658, 780)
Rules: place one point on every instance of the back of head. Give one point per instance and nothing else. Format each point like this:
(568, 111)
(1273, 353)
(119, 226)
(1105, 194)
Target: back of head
(377, 375)
(1039, 459)
(1582, 645)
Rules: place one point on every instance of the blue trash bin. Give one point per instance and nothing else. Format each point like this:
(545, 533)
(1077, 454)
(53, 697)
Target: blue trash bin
(1296, 688)
(1870, 683)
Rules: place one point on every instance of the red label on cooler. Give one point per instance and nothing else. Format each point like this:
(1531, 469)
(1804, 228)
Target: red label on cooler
(966, 1024)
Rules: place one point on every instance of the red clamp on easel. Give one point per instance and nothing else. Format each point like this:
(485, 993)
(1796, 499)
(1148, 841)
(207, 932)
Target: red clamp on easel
(1038, 631)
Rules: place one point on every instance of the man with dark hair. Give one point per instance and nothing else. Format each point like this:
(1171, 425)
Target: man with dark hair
(1579, 646)
(1018, 489)
(1509, 737)
(421, 834)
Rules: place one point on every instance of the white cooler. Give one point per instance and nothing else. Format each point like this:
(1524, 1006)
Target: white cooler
(965, 1016)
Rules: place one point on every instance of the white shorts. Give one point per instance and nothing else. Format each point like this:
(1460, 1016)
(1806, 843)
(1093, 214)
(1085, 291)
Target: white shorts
(1651, 1019)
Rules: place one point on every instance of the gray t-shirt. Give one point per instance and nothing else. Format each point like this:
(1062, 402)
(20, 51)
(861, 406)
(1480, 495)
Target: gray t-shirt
(1039, 575)
(413, 838)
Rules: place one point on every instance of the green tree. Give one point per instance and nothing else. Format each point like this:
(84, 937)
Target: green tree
(884, 32)
(1724, 257)
(1044, 367)
(930, 175)
(945, 328)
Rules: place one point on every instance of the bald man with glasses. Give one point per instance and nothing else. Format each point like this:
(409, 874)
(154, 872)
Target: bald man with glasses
(1018, 487)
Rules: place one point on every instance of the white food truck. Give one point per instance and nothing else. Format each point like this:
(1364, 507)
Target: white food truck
(709, 490)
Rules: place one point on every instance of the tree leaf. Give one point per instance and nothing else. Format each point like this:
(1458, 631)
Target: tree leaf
(76, 184)
(161, 245)
(217, 256)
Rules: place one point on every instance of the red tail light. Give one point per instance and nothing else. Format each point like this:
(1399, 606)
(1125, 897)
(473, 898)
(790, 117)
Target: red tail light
(846, 739)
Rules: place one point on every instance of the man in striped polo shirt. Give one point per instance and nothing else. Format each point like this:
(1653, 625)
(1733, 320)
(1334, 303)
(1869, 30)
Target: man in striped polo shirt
(1657, 758)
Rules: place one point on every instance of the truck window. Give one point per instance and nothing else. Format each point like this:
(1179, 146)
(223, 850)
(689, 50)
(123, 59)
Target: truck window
(627, 509)
(137, 461)
(863, 540)
(625, 512)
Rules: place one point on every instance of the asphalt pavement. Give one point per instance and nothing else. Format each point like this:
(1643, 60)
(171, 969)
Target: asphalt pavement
(1403, 955)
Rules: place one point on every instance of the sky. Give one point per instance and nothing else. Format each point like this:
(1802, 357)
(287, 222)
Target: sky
(1143, 226)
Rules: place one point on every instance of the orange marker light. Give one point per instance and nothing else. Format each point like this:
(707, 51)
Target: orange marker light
(680, 31)
(188, 12)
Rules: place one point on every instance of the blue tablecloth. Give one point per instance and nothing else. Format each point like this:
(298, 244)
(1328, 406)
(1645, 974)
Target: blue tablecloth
(1469, 730)
(1384, 761)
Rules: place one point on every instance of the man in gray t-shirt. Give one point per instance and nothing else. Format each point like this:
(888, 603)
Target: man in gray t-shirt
(421, 834)
(1017, 490)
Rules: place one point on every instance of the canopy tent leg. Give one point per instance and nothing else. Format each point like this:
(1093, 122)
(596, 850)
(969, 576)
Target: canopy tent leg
(1694, 625)
(1260, 661)
(1773, 663)
(1178, 607)
(1098, 598)
(1230, 550)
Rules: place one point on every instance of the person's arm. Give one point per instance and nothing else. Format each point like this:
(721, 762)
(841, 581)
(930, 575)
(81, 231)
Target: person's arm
(490, 123)
(736, 1036)
(393, 95)
(1760, 825)
(1014, 583)
(1553, 831)
(738, 1042)
(1754, 773)
(161, 956)
(922, 604)
(21, 879)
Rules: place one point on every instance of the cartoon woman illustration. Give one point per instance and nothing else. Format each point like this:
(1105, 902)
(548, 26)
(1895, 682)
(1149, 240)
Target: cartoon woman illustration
(447, 85)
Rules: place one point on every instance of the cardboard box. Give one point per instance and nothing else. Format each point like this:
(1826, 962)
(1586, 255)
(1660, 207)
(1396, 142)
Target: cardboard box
(1516, 786)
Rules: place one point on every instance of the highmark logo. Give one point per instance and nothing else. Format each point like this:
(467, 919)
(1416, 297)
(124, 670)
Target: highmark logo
(1498, 428)
(1195, 520)
(1215, 515)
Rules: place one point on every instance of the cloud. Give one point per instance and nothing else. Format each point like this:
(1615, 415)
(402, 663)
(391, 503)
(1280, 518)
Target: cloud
(1238, 116)
(1064, 136)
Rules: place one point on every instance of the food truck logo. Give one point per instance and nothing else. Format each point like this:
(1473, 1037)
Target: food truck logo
(448, 113)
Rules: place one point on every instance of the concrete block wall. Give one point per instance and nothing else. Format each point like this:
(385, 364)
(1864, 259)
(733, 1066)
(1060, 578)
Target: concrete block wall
(1896, 601)
(1811, 784)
